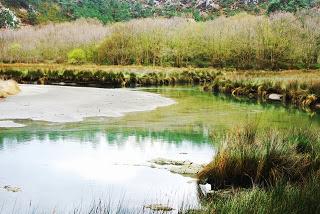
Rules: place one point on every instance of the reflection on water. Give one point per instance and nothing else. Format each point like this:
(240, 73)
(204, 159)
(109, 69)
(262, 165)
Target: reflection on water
(65, 166)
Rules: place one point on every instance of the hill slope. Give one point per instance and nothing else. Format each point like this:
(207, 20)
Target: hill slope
(41, 11)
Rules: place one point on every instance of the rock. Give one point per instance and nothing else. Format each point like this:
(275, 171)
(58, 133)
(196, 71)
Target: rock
(205, 188)
(317, 106)
(275, 97)
(158, 207)
(186, 169)
(9, 87)
(12, 189)
(180, 167)
(162, 161)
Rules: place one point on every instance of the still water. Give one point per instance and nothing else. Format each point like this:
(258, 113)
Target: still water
(60, 168)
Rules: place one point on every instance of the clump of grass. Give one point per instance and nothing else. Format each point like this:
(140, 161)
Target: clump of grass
(247, 158)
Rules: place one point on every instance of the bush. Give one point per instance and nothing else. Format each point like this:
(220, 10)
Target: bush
(77, 56)
(8, 19)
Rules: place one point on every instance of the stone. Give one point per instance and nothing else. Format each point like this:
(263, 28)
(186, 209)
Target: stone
(8, 87)
(12, 189)
(275, 97)
(180, 167)
(158, 207)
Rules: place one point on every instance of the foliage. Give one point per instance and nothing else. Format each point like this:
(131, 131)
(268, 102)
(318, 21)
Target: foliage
(287, 5)
(77, 56)
(119, 10)
(8, 19)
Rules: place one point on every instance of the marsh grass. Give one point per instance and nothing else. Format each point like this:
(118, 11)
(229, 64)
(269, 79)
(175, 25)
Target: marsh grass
(264, 171)
(248, 158)
(300, 91)
(279, 41)
(110, 78)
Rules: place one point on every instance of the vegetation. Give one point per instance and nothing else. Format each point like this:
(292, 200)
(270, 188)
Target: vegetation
(8, 19)
(282, 198)
(109, 77)
(44, 11)
(281, 170)
(301, 90)
(281, 41)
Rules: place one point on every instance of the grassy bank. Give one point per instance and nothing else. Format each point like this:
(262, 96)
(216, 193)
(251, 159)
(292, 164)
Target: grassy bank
(265, 171)
(299, 88)
(244, 41)
(107, 76)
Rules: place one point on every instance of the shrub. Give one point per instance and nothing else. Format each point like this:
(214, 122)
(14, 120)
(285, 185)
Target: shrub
(8, 19)
(77, 56)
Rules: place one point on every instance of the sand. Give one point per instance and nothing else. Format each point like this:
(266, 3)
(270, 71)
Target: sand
(71, 104)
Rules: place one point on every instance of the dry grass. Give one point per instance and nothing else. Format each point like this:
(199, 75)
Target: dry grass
(50, 42)
(283, 40)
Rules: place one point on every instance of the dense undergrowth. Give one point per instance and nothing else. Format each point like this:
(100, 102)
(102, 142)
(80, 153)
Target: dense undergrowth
(282, 40)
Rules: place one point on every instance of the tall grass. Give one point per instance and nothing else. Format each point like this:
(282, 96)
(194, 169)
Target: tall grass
(50, 42)
(243, 41)
(282, 40)
(247, 158)
(265, 171)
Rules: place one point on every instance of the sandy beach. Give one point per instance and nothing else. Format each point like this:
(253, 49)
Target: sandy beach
(71, 104)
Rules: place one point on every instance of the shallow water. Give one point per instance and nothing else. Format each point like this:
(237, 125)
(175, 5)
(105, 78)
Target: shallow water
(63, 167)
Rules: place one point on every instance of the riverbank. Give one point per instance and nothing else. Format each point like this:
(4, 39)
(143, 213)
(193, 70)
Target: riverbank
(300, 88)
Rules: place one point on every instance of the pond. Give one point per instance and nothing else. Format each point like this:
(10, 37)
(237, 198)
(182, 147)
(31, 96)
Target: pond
(66, 167)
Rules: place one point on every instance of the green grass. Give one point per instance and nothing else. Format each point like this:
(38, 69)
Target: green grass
(265, 171)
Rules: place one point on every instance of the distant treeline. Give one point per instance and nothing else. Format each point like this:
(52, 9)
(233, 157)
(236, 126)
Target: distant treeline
(280, 41)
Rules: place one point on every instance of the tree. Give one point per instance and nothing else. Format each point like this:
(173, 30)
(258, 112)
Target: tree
(8, 19)
(287, 5)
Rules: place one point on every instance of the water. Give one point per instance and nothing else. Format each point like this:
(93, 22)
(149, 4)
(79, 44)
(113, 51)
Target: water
(62, 167)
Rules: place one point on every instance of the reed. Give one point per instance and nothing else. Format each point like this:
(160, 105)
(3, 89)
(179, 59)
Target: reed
(279, 41)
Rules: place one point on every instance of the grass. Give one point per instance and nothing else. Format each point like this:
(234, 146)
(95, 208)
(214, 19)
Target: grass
(106, 76)
(300, 88)
(247, 158)
(283, 198)
(268, 171)
(279, 41)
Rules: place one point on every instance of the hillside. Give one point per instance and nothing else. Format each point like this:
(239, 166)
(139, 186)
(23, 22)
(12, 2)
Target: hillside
(36, 12)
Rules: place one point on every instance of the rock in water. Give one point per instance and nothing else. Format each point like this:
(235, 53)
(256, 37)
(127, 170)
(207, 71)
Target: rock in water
(12, 189)
(158, 207)
(8, 87)
(276, 97)
(180, 167)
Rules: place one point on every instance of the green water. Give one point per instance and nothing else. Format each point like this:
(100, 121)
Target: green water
(66, 166)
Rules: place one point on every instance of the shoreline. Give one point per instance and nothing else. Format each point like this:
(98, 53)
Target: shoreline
(57, 103)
